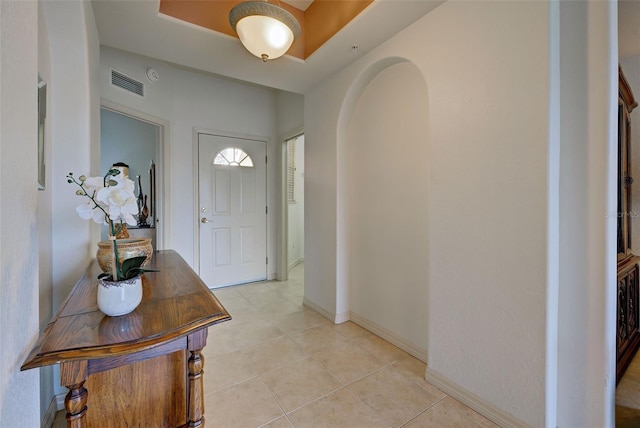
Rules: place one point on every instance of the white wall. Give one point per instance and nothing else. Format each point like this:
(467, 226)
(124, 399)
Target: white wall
(387, 177)
(290, 114)
(75, 125)
(190, 101)
(485, 65)
(584, 92)
(18, 215)
(44, 215)
(521, 279)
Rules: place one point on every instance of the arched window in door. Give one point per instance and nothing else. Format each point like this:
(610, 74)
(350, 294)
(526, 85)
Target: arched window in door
(233, 156)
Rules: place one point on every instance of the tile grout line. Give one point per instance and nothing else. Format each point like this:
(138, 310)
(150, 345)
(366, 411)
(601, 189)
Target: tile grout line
(423, 411)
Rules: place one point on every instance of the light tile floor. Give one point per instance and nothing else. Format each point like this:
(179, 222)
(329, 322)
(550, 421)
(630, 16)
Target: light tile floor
(628, 396)
(280, 364)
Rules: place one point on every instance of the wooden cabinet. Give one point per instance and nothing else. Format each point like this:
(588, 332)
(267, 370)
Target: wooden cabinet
(628, 316)
(140, 369)
(626, 104)
(627, 332)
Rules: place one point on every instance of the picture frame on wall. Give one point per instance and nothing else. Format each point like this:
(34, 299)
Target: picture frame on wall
(42, 114)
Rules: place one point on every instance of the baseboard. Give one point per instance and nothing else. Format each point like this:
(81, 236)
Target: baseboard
(486, 409)
(328, 315)
(50, 414)
(374, 328)
(60, 400)
(296, 263)
(343, 317)
(408, 347)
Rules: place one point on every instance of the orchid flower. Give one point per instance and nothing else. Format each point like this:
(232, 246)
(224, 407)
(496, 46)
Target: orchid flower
(110, 198)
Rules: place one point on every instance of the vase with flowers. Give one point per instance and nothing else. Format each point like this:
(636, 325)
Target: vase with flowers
(109, 200)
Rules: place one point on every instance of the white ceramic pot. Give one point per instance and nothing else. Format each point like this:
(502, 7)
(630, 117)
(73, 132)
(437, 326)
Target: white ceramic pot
(120, 297)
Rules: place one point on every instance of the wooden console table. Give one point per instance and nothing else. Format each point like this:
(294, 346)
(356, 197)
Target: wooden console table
(139, 369)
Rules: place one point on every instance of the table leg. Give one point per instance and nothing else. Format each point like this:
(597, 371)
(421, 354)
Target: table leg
(195, 342)
(75, 403)
(196, 390)
(73, 375)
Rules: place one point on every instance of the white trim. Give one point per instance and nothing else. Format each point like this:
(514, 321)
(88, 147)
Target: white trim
(50, 413)
(328, 315)
(196, 201)
(60, 400)
(405, 345)
(296, 263)
(343, 317)
(471, 400)
(282, 245)
(553, 219)
(163, 197)
(408, 347)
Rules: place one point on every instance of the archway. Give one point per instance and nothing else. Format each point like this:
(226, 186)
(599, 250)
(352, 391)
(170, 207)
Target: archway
(383, 167)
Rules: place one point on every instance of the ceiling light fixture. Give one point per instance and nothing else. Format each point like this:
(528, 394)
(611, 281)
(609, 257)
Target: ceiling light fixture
(265, 30)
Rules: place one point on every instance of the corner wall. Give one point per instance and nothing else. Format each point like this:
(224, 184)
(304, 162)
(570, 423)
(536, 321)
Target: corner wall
(587, 96)
(486, 69)
(45, 273)
(19, 313)
(75, 125)
(386, 179)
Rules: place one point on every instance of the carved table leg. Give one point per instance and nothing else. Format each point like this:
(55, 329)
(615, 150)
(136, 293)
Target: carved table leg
(73, 374)
(195, 342)
(75, 403)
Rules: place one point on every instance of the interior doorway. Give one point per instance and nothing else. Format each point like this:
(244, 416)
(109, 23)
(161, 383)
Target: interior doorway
(295, 200)
(136, 143)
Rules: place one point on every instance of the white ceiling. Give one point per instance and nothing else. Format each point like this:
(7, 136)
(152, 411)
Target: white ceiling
(136, 26)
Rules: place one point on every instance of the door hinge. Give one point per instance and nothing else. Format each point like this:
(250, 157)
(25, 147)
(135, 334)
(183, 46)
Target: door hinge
(266, 210)
(265, 159)
(267, 261)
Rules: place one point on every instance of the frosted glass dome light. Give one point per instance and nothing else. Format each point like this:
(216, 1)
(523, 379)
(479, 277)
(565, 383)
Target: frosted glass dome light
(265, 30)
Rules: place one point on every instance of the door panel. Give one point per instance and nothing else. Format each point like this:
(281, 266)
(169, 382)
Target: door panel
(233, 226)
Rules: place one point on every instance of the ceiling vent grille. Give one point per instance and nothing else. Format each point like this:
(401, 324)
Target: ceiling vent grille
(127, 83)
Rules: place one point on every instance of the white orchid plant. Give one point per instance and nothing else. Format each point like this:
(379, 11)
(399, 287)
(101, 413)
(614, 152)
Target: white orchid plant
(110, 199)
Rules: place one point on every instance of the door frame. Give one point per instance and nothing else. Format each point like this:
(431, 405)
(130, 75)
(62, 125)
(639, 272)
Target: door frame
(163, 197)
(283, 220)
(196, 188)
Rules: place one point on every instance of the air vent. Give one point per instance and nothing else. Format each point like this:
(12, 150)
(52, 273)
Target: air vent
(127, 83)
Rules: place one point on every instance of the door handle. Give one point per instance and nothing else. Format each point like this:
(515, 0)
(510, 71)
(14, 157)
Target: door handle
(204, 220)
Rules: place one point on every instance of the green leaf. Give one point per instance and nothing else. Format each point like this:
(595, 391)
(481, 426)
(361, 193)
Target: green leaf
(130, 264)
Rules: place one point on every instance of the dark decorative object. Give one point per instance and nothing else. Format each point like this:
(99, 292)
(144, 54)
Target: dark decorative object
(152, 180)
(142, 206)
(42, 115)
(628, 330)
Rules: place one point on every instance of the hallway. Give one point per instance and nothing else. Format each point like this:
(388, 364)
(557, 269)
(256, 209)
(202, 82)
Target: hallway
(279, 364)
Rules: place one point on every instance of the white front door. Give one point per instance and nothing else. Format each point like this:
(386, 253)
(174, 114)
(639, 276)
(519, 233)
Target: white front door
(232, 208)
